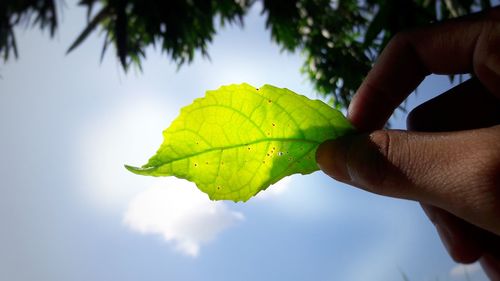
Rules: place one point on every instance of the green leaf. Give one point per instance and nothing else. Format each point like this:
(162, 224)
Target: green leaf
(238, 140)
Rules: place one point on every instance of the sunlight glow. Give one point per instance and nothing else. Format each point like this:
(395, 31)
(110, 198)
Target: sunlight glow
(126, 133)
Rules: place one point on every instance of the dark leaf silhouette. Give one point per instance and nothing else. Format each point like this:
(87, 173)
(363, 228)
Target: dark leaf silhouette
(340, 38)
(90, 27)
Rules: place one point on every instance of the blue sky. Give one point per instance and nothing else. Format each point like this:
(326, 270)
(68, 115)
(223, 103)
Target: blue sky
(70, 211)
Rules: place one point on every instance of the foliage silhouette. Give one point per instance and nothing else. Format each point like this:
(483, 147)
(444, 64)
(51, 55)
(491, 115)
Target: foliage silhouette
(340, 38)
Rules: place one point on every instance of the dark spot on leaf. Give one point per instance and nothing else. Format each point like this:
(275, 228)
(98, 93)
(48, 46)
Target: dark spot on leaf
(196, 164)
(274, 125)
(269, 101)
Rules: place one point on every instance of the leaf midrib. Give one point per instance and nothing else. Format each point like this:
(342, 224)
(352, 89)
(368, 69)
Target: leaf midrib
(146, 167)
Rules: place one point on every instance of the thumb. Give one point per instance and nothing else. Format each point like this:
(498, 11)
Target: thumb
(456, 171)
(382, 162)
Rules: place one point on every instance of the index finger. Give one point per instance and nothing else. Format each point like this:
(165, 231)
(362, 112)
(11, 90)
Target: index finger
(453, 47)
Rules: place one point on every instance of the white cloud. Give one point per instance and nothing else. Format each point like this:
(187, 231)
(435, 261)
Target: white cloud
(181, 214)
(128, 133)
(462, 270)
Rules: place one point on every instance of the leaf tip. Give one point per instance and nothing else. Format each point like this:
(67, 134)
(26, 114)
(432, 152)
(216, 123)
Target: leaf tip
(138, 171)
(131, 168)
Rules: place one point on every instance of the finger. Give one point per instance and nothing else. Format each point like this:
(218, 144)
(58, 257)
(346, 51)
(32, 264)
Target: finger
(491, 266)
(467, 45)
(464, 242)
(466, 106)
(458, 237)
(432, 168)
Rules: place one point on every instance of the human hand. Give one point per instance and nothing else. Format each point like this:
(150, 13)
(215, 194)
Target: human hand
(449, 161)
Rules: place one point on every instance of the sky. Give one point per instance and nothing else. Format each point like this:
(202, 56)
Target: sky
(70, 211)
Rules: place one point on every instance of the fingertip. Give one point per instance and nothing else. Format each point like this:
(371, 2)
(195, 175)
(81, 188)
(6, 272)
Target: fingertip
(491, 266)
(366, 112)
(461, 240)
(459, 249)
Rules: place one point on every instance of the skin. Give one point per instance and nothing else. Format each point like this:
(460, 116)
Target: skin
(449, 158)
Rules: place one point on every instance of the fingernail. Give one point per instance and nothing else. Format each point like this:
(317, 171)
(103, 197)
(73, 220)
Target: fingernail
(331, 158)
